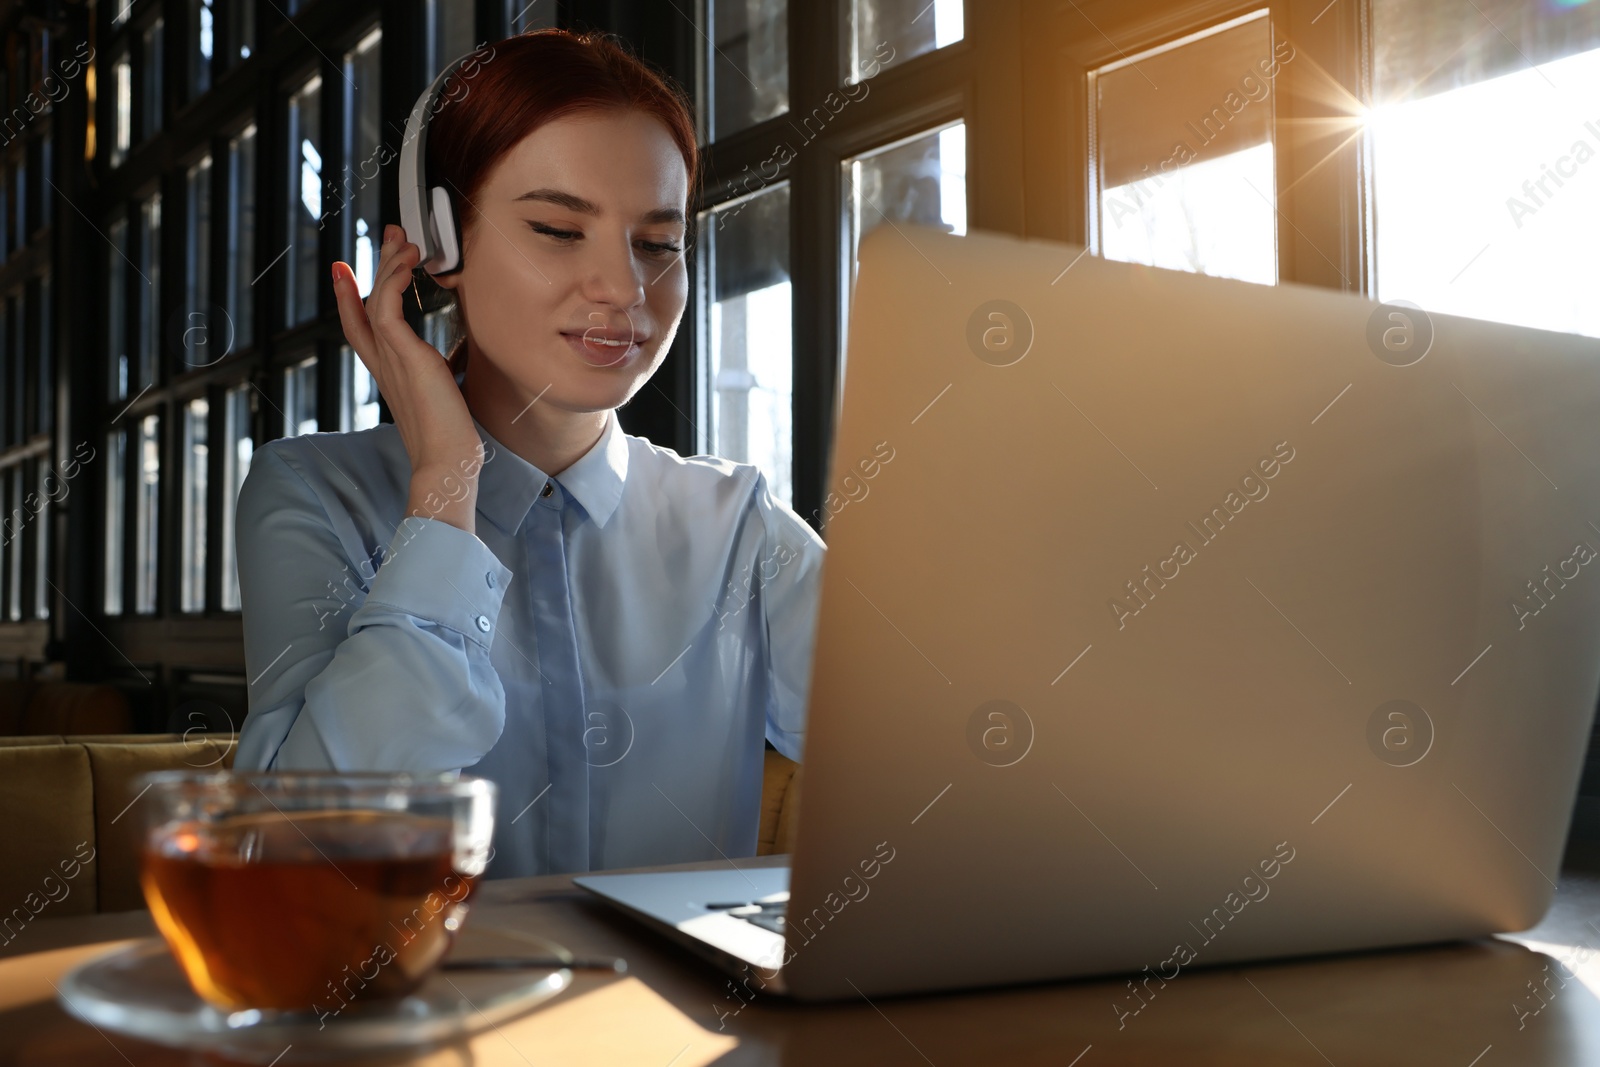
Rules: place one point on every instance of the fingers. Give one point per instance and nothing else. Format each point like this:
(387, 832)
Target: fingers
(352, 314)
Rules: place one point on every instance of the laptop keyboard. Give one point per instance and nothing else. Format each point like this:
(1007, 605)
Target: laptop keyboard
(767, 913)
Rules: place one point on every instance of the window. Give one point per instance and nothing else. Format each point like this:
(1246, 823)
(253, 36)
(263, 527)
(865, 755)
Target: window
(192, 565)
(149, 290)
(879, 32)
(1186, 176)
(202, 341)
(202, 31)
(437, 331)
(363, 139)
(48, 487)
(19, 188)
(10, 378)
(451, 34)
(150, 87)
(122, 109)
(147, 517)
(304, 201)
(300, 398)
(1496, 237)
(45, 420)
(746, 357)
(239, 22)
(922, 179)
(117, 264)
(46, 176)
(14, 544)
(235, 465)
(525, 15)
(242, 236)
(747, 71)
(116, 512)
(360, 408)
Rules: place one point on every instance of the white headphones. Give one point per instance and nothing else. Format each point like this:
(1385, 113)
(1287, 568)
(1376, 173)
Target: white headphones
(431, 222)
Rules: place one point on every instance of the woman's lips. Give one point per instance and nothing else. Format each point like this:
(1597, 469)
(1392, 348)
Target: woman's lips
(597, 354)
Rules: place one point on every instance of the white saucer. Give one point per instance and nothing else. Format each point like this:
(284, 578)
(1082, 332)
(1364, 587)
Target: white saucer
(139, 990)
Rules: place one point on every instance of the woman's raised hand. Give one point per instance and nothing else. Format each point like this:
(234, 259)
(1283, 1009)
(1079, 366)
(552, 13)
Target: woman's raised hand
(415, 380)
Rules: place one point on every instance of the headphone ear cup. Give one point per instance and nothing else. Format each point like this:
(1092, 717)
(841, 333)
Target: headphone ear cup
(447, 226)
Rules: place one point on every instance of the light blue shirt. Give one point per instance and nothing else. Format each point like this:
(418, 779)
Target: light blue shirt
(611, 649)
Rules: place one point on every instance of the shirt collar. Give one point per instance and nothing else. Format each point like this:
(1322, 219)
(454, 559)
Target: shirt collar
(509, 485)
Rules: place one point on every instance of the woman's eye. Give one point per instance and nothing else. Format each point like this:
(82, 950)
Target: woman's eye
(657, 248)
(551, 231)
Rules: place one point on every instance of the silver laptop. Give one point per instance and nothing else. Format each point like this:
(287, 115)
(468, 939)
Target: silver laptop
(1188, 621)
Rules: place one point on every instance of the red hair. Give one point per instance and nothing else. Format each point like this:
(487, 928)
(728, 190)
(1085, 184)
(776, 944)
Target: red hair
(530, 79)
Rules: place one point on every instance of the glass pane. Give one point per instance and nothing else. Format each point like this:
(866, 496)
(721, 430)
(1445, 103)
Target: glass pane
(116, 511)
(192, 572)
(149, 290)
(242, 236)
(525, 15)
(19, 199)
(5, 213)
(921, 180)
(300, 398)
(363, 133)
(150, 58)
(14, 548)
(438, 331)
(747, 72)
(239, 18)
(746, 361)
(117, 264)
(122, 105)
(46, 174)
(451, 34)
(202, 30)
(235, 465)
(305, 200)
(360, 408)
(147, 516)
(884, 32)
(10, 368)
(203, 341)
(1508, 232)
(1185, 167)
(47, 355)
(49, 487)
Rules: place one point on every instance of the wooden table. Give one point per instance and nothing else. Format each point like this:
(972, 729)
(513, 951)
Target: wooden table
(1460, 1005)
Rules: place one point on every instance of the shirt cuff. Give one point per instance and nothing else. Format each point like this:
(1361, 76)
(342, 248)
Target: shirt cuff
(442, 573)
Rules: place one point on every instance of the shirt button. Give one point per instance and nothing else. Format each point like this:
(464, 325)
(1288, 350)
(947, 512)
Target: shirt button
(548, 489)
(489, 577)
(483, 623)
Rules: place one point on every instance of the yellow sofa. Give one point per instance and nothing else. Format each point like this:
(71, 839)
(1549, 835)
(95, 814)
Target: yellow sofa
(70, 812)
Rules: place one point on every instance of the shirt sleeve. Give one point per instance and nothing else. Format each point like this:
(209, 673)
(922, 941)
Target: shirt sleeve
(790, 573)
(348, 674)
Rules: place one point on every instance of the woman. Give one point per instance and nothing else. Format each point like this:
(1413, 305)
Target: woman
(501, 581)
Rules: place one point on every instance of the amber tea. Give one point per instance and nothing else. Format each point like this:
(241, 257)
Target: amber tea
(306, 911)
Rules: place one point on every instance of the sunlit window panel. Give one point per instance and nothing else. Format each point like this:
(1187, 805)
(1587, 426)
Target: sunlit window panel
(880, 33)
(450, 32)
(117, 266)
(147, 516)
(202, 35)
(300, 398)
(304, 201)
(1184, 167)
(359, 410)
(240, 445)
(49, 487)
(121, 109)
(746, 65)
(201, 341)
(115, 515)
(151, 74)
(242, 236)
(14, 498)
(746, 360)
(920, 180)
(192, 539)
(438, 331)
(359, 205)
(149, 282)
(1509, 233)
